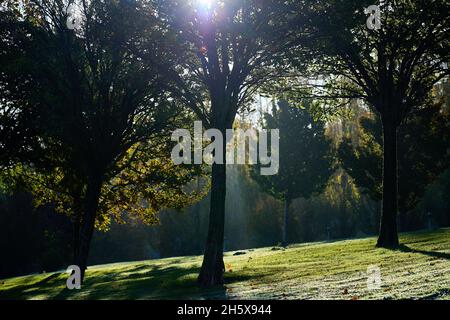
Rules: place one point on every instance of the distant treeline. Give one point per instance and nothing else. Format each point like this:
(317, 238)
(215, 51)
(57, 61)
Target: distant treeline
(36, 240)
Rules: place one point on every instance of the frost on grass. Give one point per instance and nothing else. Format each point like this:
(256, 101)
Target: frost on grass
(420, 269)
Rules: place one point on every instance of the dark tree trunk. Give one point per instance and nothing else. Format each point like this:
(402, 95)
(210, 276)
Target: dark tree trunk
(388, 236)
(284, 242)
(76, 238)
(76, 225)
(88, 223)
(213, 267)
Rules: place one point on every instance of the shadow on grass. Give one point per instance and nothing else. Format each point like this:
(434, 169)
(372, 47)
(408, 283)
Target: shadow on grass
(440, 294)
(46, 285)
(152, 282)
(441, 255)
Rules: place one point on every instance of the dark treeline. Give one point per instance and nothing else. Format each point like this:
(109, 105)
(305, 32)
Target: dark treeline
(43, 242)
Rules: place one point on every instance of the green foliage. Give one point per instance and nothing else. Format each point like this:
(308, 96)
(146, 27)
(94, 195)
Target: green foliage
(394, 68)
(423, 149)
(305, 154)
(92, 111)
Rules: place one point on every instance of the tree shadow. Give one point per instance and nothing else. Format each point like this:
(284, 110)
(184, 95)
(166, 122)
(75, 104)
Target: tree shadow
(441, 255)
(156, 282)
(142, 281)
(42, 286)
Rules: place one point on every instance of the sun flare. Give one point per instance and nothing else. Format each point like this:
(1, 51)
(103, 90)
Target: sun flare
(207, 4)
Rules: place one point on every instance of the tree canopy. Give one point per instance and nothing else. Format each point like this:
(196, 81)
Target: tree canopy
(100, 116)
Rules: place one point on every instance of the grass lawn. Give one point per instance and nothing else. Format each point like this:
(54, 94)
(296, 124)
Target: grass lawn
(420, 269)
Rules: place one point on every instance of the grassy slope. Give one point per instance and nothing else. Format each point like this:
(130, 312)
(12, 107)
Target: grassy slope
(334, 270)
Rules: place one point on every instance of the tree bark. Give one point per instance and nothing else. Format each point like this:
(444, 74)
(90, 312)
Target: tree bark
(213, 267)
(388, 236)
(284, 242)
(88, 223)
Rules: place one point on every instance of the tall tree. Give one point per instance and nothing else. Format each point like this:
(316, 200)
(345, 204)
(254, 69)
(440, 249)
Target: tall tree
(422, 156)
(101, 115)
(393, 68)
(226, 51)
(305, 156)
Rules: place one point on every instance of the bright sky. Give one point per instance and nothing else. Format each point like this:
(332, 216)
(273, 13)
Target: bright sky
(204, 3)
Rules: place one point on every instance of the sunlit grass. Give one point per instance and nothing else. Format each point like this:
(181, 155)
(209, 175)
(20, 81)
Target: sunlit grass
(335, 270)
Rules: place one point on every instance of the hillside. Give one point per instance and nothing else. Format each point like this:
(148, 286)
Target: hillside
(420, 269)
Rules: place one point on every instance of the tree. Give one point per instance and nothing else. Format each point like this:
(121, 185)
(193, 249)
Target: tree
(305, 157)
(424, 151)
(226, 51)
(392, 68)
(16, 130)
(101, 115)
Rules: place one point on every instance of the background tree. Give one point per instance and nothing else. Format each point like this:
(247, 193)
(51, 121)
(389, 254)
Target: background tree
(226, 51)
(393, 69)
(32, 240)
(305, 155)
(102, 116)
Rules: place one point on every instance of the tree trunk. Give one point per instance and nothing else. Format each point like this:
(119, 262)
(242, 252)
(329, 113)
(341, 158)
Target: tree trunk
(388, 236)
(284, 242)
(88, 223)
(76, 225)
(76, 238)
(213, 267)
